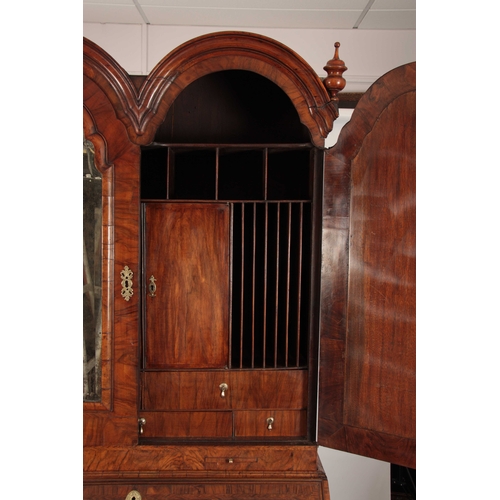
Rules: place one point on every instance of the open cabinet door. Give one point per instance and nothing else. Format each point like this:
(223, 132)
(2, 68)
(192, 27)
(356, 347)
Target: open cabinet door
(367, 346)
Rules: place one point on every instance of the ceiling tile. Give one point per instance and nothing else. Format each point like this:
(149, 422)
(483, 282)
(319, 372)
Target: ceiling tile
(106, 13)
(389, 19)
(271, 18)
(315, 14)
(262, 4)
(394, 4)
(109, 2)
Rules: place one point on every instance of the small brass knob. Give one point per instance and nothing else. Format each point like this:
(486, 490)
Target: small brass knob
(270, 422)
(142, 423)
(223, 389)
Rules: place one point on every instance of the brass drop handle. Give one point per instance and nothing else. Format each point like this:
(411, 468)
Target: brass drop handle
(223, 389)
(270, 422)
(142, 423)
(152, 286)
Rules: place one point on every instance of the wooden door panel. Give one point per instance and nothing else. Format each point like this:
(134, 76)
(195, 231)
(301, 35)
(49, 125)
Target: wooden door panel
(186, 322)
(188, 424)
(184, 390)
(268, 389)
(285, 423)
(380, 389)
(367, 359)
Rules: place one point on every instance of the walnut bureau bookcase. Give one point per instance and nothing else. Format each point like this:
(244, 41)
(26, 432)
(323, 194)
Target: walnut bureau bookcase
(256, 289)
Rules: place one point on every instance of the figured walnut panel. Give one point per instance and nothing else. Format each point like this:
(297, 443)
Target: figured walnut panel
(260, 488)
(187, 322)
(380, 391)
(169, 460)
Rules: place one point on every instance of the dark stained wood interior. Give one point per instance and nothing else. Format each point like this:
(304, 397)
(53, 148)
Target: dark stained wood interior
(234, 105)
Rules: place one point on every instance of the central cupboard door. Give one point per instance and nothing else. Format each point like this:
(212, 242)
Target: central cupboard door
(186, 316)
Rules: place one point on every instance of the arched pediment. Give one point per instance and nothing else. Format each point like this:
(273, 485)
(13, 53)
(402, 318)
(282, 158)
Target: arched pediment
(144, 110)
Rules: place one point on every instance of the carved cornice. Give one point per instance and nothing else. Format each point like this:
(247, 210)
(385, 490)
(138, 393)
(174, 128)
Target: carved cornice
(142, 111)
(100, 67)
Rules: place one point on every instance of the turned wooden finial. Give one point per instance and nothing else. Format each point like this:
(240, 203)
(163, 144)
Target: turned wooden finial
(335, 82)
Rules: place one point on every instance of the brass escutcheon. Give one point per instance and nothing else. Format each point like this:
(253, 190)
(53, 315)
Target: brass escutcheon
(126, 275)
(152, 286)
(134, 495)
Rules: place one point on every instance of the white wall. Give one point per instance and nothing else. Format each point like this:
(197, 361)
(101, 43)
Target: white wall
(351, 477)
(368, 54)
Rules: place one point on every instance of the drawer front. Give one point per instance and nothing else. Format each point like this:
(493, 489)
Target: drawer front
(268, 389)
(185, 391)
(270, 423)
(195, 457)
(229, 489)
(231, 462)
(246, 389)
(183, 424)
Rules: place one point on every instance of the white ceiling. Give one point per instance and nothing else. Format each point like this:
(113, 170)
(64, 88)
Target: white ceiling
(313, 14)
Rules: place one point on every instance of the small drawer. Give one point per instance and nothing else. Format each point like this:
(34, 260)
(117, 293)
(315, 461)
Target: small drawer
(270, 423)
(244, 389)
(184, 424)
(186, 390)
(255, 389)
(231, 463)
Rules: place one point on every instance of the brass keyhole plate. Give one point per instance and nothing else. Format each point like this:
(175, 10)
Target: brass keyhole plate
(133, 495)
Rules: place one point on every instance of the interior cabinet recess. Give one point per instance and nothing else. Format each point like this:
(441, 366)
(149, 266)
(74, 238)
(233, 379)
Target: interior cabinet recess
(227, 246)
(231, 218)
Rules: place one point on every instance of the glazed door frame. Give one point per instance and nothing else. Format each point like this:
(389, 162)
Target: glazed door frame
(113, 421)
